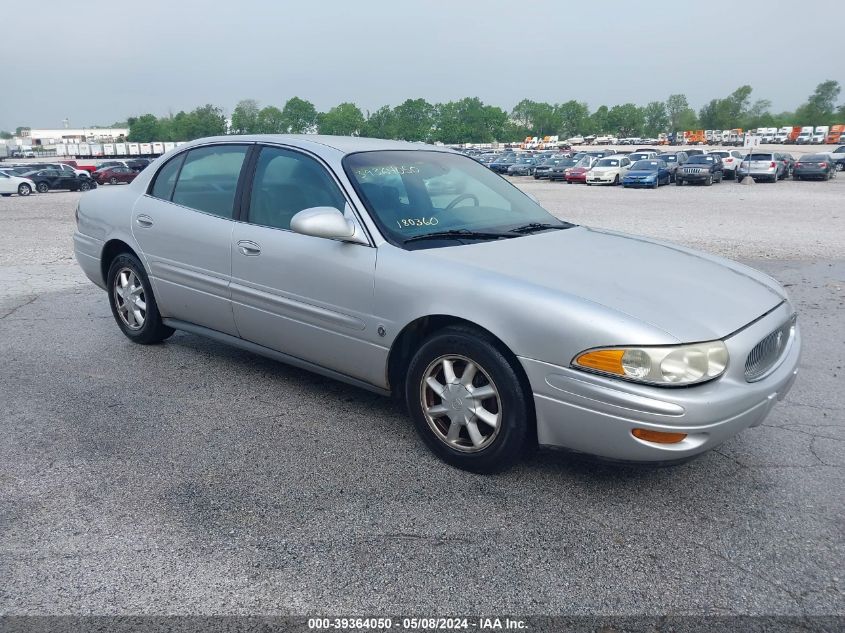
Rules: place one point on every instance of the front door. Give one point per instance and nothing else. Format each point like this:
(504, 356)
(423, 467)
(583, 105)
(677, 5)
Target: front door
(305, 296)
(184, 227)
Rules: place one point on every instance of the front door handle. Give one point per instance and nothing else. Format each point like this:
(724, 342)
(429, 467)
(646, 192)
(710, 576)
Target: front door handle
(144, 220)
(249, 248)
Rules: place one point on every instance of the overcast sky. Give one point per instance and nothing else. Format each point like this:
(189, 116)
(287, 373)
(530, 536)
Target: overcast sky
(98, 62)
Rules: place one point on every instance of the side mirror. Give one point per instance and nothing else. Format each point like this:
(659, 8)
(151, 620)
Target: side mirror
(326, 222)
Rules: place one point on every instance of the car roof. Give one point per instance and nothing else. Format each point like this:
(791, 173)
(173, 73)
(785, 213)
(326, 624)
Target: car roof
(343, 144)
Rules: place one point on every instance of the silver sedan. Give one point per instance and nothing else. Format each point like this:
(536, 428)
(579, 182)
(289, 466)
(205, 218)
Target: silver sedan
(414, 271)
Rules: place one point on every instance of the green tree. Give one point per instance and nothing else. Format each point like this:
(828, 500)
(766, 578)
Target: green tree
(144, 129)
(819, 108)
(271, 120)
(300, 116)
(381, 124)
(626, 120)
(574, 118)
(344, 119)
(5, 135)
(598, 120)
(681, 115)
(414, 120)
(523, 114)
(245, 117)
(470, 121)
(656, 118)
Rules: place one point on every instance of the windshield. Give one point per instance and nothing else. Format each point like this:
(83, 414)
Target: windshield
(669, 158)
(639, 155)
(720, 154)
(416, 192)
(645, 165)
(700, 159)
(608, 162)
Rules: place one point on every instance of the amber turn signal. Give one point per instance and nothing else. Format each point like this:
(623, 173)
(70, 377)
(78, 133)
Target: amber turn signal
(658, 437)
(606, 360)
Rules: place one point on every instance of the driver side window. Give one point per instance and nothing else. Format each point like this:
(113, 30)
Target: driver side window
(286, 183)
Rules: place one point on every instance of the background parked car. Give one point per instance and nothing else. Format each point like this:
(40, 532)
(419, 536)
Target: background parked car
(761, 166)
(50, 179)
(558, 171)
(542, 170)
(115, 175)
(673, 160)
(814, 166)
(649, 172)
(838, 157)
(730, 161)
(578, 173)
(12, 183)
(503, 163)
(642, 155)
(702, 168)
(524, 166)
(788, 163)
(609, 171)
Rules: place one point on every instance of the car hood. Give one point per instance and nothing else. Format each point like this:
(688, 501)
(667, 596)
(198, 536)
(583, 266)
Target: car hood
(639, 173)
(689, 295)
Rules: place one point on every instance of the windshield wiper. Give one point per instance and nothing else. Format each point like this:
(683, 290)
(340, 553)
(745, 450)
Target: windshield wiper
(457, 234)
(533, 227)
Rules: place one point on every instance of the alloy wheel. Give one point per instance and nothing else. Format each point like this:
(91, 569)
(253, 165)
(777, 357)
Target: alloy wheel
(130, 299)
(461, 403)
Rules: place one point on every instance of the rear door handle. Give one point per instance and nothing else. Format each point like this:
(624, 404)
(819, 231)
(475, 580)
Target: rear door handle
(249, 248)
(144, 220)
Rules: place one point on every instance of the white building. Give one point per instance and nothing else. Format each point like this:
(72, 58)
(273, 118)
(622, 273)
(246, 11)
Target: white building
(37, 136)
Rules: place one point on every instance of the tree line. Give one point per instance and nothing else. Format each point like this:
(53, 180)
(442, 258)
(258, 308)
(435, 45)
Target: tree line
(469, 120)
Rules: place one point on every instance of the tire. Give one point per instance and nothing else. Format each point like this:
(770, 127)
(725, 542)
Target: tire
(6, 195)
(794, 177)
(126, 272)
(840, 166)
(656, 183)
(679, 182)
(42, 187)
(112, 180)
(24, 190)
(709, 181)
(616, 179)
(84, 186)
(475, 445)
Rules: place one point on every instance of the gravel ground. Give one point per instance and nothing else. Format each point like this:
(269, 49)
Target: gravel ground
(194, 478)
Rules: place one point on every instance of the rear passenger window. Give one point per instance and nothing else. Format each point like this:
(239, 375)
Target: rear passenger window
(209, 178)
(287, 182)
(166, 178)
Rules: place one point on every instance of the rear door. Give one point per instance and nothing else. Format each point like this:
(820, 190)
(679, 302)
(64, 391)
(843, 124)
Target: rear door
(305, 296)
(184, 227)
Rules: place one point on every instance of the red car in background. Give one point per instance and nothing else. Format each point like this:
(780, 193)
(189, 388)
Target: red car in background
(579, 172)
(89, 168)
(114, 175)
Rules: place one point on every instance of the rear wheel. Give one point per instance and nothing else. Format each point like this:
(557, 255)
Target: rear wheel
(42, 187)
(467, 400)
(679, 181)
(84, 186)
(112, 180)
(24, 190)
(132, 302)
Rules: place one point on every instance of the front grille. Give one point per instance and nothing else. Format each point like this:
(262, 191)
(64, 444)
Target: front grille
(768, 352)
(693, 170)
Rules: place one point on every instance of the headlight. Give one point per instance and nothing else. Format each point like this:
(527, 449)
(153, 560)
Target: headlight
(667, 366)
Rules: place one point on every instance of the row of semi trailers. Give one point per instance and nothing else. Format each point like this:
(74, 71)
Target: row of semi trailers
(100, 150)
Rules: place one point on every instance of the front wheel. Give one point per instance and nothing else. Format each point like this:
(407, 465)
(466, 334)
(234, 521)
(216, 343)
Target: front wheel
(467, 401)
(24, 190)
(42, 187)
(85, 186)
(709, 181)
(132, 302)
(112, 180)
(679, 181)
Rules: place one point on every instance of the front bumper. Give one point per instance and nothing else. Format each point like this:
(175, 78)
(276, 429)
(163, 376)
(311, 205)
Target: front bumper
(602, 179)
(638, 183)
(595, 414)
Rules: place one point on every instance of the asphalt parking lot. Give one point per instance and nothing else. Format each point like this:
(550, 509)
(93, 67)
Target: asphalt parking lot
(194, 478)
